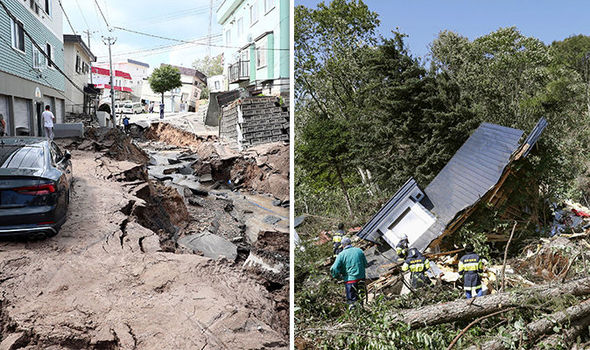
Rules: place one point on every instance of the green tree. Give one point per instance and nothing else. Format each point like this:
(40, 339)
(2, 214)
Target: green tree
(514, 80)
(164, 79)
(209, 66)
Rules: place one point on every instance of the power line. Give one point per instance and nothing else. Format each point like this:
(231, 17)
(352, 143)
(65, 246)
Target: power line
(102, 14)
(67, 18)
(35, 69)
(162, 47)
(82, 13)
(50, 62)
(192, 42)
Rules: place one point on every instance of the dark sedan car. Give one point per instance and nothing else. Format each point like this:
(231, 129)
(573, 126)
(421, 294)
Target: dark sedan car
(35, 178)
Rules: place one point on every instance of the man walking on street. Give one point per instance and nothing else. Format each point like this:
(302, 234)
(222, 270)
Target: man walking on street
(470, 267)
(418, 264)
(48, 120)
(350, 266)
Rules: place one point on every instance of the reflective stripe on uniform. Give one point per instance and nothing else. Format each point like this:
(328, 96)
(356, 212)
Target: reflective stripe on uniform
(337, 239)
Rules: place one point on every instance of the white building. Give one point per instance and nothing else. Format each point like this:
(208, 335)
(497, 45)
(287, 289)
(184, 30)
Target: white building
(78, 59)
(217, 83)
(257, 41)
(183, 99)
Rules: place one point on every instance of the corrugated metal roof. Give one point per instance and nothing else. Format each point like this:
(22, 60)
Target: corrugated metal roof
(369, 231)
(534, 135)
(474, 169)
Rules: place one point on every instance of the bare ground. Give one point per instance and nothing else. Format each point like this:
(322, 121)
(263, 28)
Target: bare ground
(102, 282)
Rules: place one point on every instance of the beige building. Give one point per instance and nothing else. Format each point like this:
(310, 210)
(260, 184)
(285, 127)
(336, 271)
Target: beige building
(78, 59)
(183, 99)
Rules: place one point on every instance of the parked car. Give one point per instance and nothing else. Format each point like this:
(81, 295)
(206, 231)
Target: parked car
(35, 180)
(132, 108)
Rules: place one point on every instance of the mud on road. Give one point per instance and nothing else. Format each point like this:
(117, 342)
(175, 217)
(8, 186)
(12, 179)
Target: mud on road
(105, 281)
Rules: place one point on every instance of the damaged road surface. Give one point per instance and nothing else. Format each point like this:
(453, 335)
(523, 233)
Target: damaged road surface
(106, 282)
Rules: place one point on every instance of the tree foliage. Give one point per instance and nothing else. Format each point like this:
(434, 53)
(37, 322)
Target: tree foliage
(164, 79)
(209, 66)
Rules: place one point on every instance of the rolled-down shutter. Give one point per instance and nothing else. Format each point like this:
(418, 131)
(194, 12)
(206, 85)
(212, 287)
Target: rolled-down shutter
(21, 117)
(48, 101)
(59, 110)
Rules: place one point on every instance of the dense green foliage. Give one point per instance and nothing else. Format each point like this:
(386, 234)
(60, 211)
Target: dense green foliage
(164, 79)
(369, 115)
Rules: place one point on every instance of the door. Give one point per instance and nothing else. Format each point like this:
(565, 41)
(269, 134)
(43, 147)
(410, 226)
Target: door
(39, 112)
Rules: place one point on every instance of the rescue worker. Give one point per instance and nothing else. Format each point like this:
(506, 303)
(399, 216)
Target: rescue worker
(401, 248)
(350, 266)
(337, 238)
(418, 265)
(470, 267)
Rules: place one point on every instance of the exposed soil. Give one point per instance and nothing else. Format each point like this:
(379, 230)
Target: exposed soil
(264, 168)
(110, 279)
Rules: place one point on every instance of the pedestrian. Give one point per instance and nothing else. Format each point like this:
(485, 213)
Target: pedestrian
(418, 264)
(470, 267)
(401, 248)
(350, 266)
(337, 239)
(126, 124)
(2, 125)
(48, 120)
(162, 110)
(151, 109)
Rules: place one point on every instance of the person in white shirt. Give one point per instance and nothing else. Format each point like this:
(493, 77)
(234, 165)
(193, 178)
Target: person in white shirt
(48, 120)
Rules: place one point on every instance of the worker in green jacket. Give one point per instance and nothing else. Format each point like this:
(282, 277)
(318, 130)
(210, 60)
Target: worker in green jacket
(350, 266)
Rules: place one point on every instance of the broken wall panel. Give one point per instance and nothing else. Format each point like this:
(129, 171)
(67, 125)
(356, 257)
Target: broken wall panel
(252, 121)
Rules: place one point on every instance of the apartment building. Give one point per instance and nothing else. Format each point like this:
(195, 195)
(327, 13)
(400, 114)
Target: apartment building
(28, 80)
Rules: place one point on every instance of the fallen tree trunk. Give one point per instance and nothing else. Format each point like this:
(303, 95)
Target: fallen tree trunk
(539, 327)
(468, 309)
(567, 338)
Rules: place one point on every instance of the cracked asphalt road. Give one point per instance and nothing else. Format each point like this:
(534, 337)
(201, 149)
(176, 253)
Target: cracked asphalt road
(95, 286)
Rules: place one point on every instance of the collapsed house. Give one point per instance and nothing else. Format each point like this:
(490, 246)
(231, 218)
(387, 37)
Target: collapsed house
(476, 172)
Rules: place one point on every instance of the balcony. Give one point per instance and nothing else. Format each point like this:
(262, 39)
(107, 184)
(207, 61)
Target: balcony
(239, 71)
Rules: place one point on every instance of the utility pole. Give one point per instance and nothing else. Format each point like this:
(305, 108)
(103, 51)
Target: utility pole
(111, 41)
(88, 32)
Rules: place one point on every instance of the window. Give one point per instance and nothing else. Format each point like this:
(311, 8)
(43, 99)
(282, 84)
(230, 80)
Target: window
(49, 52)
(268, 5)
(78, 65)
(228, 36)
(254, 13)
(48, 7)
(261, 53)
(217, 85)
(35, 6)
(85, 68)
(244, 55)
(38, 59)
(18, 35)
(240, 27)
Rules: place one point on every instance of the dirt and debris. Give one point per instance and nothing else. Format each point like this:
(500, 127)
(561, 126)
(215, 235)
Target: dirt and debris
(263, 168)
(116, 277)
